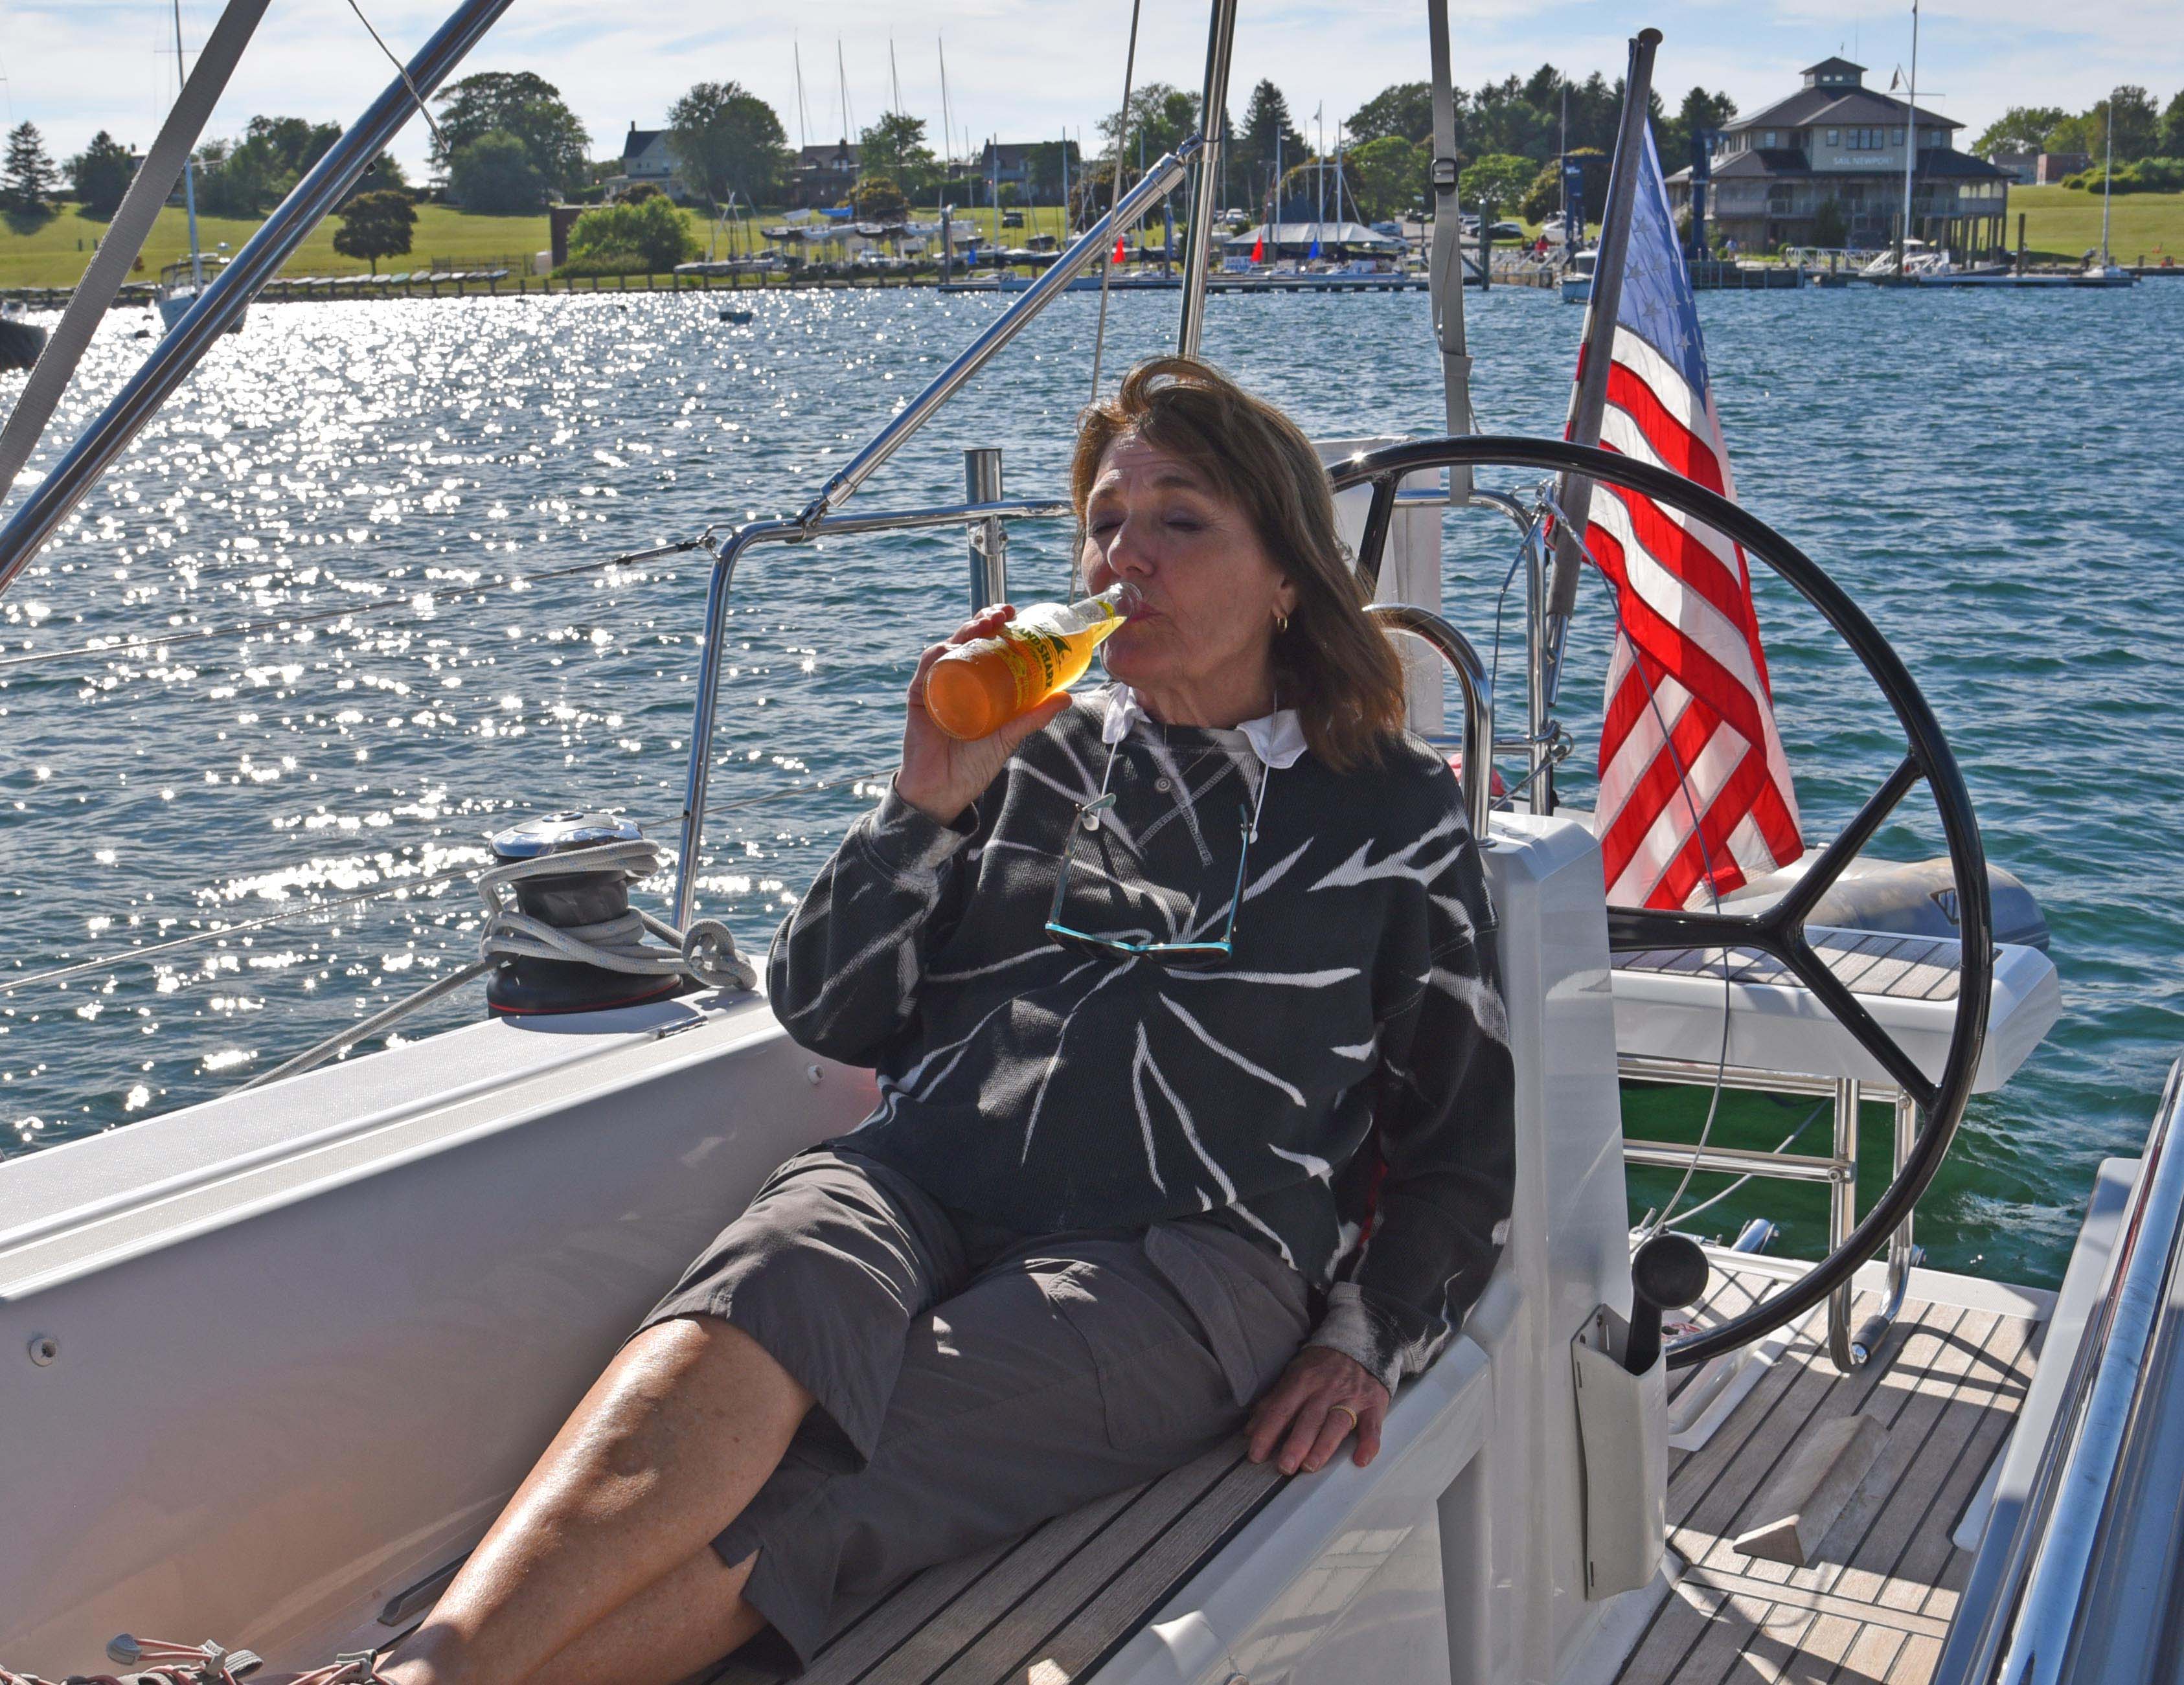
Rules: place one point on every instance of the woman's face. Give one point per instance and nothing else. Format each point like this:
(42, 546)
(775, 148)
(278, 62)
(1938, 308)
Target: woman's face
(1199, 649)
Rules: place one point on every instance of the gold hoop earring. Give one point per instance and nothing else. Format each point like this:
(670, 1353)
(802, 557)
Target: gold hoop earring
(1281, 623)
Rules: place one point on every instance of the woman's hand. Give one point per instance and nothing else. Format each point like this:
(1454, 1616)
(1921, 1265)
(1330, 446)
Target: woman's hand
(940, 774)
(1320, 1398)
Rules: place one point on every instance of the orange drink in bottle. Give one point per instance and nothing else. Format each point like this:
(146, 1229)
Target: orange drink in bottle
(978, 687)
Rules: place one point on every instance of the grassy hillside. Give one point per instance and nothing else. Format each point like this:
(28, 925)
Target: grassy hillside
(2063, 219)
(53, 253)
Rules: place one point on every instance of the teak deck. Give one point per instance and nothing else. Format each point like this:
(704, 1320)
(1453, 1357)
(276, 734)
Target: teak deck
(1050, 1607)
(1947, 1384)
(1875, 1607)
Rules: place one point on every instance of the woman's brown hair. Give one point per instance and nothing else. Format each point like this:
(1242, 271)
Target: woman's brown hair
(1332, 664)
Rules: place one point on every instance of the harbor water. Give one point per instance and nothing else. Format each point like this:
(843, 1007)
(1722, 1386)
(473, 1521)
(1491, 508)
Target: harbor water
(371, 484)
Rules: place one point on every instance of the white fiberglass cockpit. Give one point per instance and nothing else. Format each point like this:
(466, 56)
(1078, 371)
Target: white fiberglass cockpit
(279, 1358)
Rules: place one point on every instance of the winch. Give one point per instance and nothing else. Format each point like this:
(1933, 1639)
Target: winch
(588, 904)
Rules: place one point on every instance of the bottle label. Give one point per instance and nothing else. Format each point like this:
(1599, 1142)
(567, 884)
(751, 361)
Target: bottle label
(1038, 646)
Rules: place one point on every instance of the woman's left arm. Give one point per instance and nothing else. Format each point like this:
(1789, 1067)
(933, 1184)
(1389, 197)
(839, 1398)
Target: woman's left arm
(1445, 1112)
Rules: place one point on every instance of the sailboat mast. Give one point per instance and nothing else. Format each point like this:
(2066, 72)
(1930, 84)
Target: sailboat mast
(947, 114)
(2108, 170)
(189, 165)
(1319, 171)
(1910, 149)
(894, 76)
(842, 76)
(803, 111)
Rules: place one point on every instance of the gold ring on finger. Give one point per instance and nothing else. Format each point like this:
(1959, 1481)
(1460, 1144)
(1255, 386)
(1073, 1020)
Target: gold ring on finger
(1347, 1411)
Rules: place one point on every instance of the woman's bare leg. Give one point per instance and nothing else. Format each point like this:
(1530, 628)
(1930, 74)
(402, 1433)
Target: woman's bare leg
(663, 1452)
(673, 1628)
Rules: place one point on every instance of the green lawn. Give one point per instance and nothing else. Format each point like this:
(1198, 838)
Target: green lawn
(54, 254)
(2065, 220)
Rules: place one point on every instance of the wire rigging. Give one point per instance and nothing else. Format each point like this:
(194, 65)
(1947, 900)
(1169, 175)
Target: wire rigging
(1115, 199)
(403, 71)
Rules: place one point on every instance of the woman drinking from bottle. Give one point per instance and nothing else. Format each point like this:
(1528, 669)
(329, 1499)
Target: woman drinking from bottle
(1194, 1109)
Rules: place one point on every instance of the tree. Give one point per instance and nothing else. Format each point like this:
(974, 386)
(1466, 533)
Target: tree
(2022, 128)
(651, 236)
(2137, 125)
(289, 145)
(1544, 196)
(2172, 128)
(243, 178)
(1829, 227)
(1700, 110)
(2074, 134)
(494, 175)
(1043, 162)
(28, 179)
(1162, 117)
(519, 103)
(894, 146)
(726, 139)
(1404, 111)
(1387, 176)
(1267, 126)
(386, 175)
(102, 173)
(1496, 180)
(879, 199)
(375, 226)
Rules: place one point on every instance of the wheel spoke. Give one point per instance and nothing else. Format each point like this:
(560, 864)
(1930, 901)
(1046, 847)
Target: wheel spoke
(1834, 994)
(1375, 539)
(1633, 930)
(1792, 911)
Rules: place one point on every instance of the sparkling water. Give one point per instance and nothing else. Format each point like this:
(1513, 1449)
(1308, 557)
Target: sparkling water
(1984, 472)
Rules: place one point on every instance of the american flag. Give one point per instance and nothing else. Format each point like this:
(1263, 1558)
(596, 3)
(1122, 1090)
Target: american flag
(1695, 792)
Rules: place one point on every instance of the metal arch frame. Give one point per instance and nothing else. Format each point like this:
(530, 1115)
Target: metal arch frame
(1478, 687)
(1779, 930)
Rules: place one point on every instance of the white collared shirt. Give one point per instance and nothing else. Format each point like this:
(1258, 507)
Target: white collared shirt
(1277, 738)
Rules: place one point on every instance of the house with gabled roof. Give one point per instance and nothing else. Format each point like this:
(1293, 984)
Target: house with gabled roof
(646, 161)
(1835, 141)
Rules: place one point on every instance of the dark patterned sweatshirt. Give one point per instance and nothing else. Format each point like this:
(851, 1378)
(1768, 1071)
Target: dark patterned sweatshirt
(1339, 1089)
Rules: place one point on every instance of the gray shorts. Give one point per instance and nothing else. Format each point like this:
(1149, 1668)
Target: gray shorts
(970, 1384)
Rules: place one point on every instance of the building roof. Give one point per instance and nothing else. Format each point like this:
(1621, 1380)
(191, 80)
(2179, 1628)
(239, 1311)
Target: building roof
(1302, 233)
(1837, 105)
(638, 142)
(1014, 152)
(834, 152)
(1832, 67)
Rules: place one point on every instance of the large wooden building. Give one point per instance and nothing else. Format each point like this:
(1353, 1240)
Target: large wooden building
(1835, 141)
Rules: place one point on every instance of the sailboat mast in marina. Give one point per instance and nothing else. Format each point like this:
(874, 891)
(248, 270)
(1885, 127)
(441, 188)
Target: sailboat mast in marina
(189, 165)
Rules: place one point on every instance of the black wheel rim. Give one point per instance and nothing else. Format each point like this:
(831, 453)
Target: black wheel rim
(1779, 932)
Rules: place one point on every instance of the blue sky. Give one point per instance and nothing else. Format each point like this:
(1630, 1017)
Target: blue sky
(1030, 69)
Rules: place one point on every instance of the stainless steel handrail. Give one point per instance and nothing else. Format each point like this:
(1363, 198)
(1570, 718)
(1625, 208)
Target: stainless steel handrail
(1213, 122)
(2041, 1590)
(913, 415)
(1478, 688)
(1455, 648)
(220, 304)
(796, 530)
(1848, 1349)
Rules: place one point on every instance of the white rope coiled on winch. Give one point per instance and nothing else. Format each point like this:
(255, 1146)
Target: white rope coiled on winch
(705, 950)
